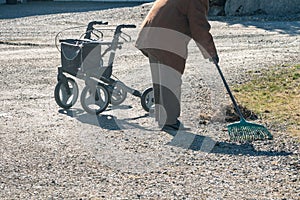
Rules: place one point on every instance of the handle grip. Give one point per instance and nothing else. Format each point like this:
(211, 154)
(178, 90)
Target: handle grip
(128, 26)
(118, 29)
(90, 28)
(97, 23)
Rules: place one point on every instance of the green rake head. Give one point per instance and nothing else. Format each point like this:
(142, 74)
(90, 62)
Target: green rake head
(246, 131)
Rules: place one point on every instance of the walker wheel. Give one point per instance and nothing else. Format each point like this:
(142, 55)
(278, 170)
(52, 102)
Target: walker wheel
(147, 99)
(95, 101)
(66, 93)
(118, 94)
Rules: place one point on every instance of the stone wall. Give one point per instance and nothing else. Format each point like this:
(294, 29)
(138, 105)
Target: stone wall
(250, 7)
(217, 7)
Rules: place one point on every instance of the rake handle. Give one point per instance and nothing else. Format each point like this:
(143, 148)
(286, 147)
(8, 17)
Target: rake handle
(230, 93)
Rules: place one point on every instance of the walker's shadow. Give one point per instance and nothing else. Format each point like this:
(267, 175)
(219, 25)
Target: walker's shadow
(104, 121)
(195, 142)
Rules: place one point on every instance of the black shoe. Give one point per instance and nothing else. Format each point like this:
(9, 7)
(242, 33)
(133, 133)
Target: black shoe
(175, 127)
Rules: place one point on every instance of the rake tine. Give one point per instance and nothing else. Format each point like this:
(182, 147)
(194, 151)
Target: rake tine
(244, 132)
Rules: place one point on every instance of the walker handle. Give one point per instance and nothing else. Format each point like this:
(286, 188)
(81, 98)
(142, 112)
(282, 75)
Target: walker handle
(90, 28)
(119, 27)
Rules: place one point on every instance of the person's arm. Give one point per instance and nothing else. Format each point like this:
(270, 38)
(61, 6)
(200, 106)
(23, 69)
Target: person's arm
(200, 27)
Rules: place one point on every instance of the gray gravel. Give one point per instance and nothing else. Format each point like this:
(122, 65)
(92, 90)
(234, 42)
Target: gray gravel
(49, 153)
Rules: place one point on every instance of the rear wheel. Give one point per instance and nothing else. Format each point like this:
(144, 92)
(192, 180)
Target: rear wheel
(147, 99)
(118, 94)
(96, 100)
(66, 93)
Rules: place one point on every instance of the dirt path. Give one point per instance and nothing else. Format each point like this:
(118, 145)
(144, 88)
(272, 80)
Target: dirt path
(47, 152)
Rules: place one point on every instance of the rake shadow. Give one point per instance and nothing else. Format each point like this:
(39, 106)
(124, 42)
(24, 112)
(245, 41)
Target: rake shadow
(191, 141)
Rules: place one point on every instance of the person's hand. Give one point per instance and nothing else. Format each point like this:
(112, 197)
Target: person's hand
(214, 59)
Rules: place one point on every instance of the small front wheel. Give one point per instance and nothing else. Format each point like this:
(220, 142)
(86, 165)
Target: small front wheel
(147, 99)
(95, 100)
(66, 93)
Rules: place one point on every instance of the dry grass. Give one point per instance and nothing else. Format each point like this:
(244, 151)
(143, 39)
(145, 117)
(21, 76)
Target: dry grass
(274, 94)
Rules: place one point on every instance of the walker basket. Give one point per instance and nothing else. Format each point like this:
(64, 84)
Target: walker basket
(83, 56)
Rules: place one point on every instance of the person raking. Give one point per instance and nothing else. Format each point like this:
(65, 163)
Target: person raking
(163, 38)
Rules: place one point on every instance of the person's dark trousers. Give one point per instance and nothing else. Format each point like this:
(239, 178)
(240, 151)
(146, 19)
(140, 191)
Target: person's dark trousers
(167, 92)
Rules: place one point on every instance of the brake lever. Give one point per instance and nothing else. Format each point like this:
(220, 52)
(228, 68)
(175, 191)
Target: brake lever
(128, 37)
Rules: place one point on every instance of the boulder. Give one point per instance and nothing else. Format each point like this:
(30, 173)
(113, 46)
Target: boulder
(270, 7)
(216, 11)
(217, 2)
(216, 7)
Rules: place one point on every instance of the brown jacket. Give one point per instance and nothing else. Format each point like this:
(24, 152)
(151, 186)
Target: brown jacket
(168, 28)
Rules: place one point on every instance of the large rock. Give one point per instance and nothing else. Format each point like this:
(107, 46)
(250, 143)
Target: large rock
(270, 7)
(216, 7)
(217, 2)
(216, 11)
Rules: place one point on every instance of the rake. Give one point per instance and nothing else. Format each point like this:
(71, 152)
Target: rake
(243, 130)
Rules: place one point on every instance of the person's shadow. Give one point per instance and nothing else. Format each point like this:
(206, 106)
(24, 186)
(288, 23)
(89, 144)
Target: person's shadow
(181, 139)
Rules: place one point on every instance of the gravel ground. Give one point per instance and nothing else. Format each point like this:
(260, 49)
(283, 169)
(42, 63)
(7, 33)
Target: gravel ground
(50, 153)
